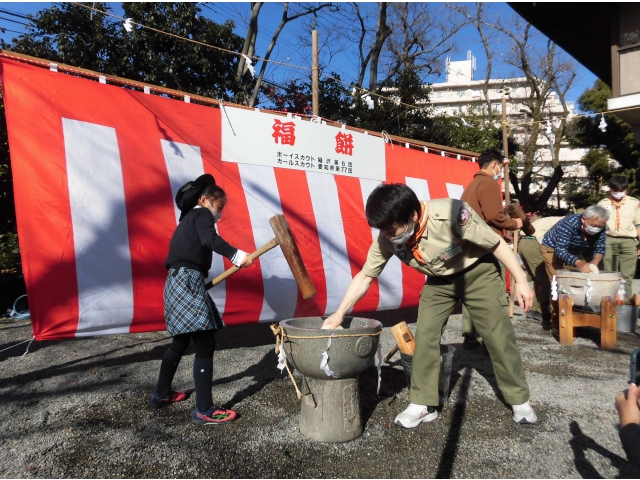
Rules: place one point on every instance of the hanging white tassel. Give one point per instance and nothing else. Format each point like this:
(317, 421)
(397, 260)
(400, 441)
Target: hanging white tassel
(603, 124)
(554, 289)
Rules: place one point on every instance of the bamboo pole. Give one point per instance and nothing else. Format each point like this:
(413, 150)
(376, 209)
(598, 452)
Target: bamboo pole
(315, 73)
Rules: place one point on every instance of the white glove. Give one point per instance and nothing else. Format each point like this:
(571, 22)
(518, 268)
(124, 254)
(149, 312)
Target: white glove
(238, 258)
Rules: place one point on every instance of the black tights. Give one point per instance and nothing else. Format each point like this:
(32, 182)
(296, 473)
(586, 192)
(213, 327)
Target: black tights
(205, 343)
(204, 340)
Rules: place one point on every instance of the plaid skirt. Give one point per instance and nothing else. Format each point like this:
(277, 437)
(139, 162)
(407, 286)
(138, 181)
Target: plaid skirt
(187, 305)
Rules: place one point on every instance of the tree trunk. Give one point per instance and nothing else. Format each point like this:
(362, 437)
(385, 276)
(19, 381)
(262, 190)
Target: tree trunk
(250, 39)
(381, 35)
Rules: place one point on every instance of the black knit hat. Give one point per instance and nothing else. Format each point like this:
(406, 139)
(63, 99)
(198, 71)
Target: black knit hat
(187, 196)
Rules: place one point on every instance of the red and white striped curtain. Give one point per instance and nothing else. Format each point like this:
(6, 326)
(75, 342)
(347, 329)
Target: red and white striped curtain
(96, 168)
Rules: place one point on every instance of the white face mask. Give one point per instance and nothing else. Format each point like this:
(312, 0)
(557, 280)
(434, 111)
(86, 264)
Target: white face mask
(618, 195)
(592, 230)
(498, 176)
(216, 215)
(404, 236)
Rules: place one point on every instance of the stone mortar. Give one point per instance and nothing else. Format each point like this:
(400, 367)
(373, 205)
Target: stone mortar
(348, 354)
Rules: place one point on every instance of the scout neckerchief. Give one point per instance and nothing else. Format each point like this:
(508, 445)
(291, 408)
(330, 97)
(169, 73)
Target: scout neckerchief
(414, 241)
(617, 204)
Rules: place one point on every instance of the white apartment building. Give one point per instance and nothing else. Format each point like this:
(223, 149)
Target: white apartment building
(460, 92)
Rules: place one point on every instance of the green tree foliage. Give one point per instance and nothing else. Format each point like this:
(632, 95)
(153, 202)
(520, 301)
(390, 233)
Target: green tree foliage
(581, 192)
(71, 34)
(74, 35)
(616, 143)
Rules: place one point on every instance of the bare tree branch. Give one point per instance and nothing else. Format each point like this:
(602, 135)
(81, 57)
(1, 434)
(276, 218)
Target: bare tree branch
(285, 19)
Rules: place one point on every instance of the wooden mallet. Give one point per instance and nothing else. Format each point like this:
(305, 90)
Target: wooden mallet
(285, 239)
(514, 210)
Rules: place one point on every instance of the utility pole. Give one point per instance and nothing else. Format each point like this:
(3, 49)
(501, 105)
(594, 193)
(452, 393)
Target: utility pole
(315, 97)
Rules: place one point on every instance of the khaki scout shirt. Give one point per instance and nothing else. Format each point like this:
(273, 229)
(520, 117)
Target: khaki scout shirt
(455, 238)
(629, 217)
(543, 225)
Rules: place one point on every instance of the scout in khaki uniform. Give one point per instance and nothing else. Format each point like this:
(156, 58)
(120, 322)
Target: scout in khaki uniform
(529, 250)
(447, 241)
(623, 230)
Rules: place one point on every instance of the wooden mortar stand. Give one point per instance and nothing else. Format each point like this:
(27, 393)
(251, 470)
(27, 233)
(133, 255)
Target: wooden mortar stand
(605, 321)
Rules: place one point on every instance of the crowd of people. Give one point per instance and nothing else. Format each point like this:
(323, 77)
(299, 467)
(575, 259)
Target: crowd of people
(460, 245)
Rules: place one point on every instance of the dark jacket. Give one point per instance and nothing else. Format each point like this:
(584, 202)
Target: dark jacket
(484, 196)
(194, 239)
(630, 438)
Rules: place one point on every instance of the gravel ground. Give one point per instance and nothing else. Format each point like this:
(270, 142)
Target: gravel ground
(78, 408)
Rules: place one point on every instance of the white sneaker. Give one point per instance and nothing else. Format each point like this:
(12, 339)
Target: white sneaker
(524, 413)
(415, 414)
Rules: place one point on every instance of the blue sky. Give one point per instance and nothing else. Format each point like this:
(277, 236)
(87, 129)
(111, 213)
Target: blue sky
(290, 50)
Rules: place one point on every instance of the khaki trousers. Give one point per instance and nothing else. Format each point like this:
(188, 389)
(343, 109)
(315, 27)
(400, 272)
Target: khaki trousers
(467, 324)
(621, 256)
(481, 289)
(529, 250)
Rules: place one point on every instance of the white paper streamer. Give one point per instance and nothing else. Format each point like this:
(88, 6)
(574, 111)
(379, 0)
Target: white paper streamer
(603, 124)
(554, 289)
(249, 65)
(324, 363)
(127, 24)
(379, 355)
(621, 292)
(589, 291)
(282, 359)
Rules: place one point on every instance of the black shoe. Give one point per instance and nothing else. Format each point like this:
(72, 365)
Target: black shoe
(537, 316)
(470, 342)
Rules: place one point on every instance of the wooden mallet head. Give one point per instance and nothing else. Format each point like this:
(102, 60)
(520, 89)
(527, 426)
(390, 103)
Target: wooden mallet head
(292, 255)
(514, 210)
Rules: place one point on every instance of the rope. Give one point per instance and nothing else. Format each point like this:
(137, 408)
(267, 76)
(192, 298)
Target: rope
(280, 335)
(325, 75)
(254, 57)
(29, 340)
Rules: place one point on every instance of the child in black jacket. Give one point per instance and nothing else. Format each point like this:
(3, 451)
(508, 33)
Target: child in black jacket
(189, 311)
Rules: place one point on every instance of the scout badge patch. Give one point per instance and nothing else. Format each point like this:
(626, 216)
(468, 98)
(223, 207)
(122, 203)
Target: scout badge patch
(463, 216)
(400, 251)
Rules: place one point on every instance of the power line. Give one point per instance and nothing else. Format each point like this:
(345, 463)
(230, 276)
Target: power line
(14, 31)
(226, 50)
(15, 14)
(14, 21)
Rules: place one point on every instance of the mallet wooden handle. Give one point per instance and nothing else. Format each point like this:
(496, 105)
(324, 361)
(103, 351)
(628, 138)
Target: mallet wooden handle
(263, 249)
(512, 289)
(391, 353)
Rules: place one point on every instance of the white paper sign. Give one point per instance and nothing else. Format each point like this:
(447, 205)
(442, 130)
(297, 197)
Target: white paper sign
(258, 138)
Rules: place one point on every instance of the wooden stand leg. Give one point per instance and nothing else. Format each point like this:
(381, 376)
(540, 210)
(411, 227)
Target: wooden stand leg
(565, 311)
(608, 327)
